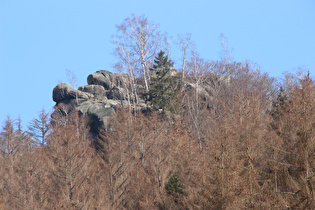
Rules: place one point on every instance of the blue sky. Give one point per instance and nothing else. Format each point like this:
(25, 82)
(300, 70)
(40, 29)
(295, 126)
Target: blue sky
(41, 39)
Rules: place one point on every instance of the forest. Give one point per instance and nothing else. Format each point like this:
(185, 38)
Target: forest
(216, 135)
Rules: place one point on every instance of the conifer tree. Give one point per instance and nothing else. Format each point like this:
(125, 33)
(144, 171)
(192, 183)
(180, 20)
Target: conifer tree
(162, 94)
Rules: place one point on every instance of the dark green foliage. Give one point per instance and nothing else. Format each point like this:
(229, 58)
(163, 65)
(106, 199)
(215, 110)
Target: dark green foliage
(281, 98)
(279, 104)
(174, 186)
(162, 94)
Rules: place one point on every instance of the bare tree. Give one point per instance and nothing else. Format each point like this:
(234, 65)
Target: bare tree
(39, 128)
(73, 81)
(184, 42)
(137, 41)
(226, 58)
(295, 143)
(198, 71)
(9, 144)
(12, 144)
(70, 158)
(125, 64)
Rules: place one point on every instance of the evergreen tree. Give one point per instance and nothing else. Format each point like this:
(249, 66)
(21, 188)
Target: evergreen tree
(162, 94)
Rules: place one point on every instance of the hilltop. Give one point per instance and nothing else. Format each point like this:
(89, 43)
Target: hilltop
(210, 135)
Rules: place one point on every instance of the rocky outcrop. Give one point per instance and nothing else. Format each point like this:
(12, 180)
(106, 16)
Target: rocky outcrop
(98, 113)
(64, 91)
(103, 78)
(97, 100)
(107, 91)
(202, 92)
(97, 91)
(116, 94)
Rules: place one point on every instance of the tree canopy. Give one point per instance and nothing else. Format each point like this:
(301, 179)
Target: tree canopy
(162, 94)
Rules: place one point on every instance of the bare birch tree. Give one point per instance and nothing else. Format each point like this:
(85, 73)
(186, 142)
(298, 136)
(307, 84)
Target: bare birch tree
(184, 44)
(198, 70)
(226, 58)
(137, 41)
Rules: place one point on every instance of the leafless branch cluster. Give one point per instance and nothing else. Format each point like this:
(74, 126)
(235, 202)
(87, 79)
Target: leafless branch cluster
(230, 150)
(237, 140)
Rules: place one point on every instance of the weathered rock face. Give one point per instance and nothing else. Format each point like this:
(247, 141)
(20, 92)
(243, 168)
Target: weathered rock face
(106, 91)
(64, 91)
(203, 93)
(103, 78)
(98, 91)
(97, 100)
(98, 113)
(116, 94)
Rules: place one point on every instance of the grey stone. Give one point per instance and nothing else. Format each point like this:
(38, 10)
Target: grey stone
(96, 108)
(115, 103)
(98, 114)
(64, 91)
(103, 77)
(98, 91)
(116, 94)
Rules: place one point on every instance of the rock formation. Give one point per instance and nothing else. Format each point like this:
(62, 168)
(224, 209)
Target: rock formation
(64, 91)
(106, 91)
(97, 100)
